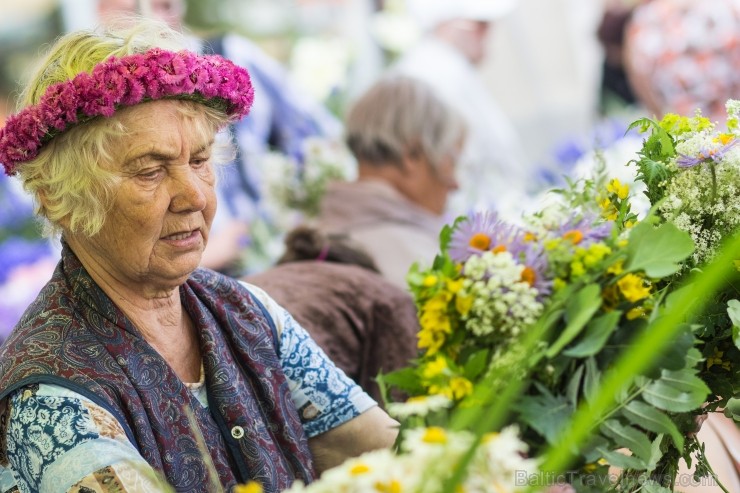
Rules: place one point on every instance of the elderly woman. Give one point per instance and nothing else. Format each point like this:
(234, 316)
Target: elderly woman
(406, 141)
(134, 370)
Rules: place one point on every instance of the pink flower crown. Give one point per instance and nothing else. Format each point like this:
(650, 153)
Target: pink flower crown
(124, 81)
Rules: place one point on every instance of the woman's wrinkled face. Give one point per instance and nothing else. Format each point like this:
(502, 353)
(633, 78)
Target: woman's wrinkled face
(155, 233)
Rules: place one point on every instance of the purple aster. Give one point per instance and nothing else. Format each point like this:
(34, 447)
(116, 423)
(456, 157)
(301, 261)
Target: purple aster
(484, 231)
(585, 230)
(715, 154)
(476, 234)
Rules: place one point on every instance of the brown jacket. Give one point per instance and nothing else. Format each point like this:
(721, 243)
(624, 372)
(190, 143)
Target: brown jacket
(394, 231)
(364, 323)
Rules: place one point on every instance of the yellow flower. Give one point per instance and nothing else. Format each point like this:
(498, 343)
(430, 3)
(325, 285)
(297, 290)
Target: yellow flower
(480, 241)
(716, 359)
(460, 387)
(454, 286)
(437, 303)
(576, 268)
(552, 244)
(463, 304)
(617, 188)
(391, 486)
(429, 281)
(530, 237)
(590, 260)
(558, 284)
(633, 288)
(434, 368)
(499, 249)
(724, 139)
(608, 210)
(435, 434)
(359, 468)
(600, 250)
(430, 339)
(417, 399)
(636, 312)
(250, 487)
(616, 268)
(438, 321)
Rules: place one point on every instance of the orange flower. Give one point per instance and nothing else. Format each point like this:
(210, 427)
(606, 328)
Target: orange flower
(529, 276)
(480, 241)
(574, 236)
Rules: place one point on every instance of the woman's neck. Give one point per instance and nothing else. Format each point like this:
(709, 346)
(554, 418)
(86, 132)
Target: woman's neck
(158, 315)
(168, 328)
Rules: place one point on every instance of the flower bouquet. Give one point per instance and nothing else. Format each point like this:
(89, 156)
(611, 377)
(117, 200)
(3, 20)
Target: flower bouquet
(601, 335)
(579, 347)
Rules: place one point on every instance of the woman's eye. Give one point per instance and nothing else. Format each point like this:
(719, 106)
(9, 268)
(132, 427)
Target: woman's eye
(200, 161)
(150, 174)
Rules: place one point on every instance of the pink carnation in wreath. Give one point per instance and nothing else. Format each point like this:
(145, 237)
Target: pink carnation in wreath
(124, 81)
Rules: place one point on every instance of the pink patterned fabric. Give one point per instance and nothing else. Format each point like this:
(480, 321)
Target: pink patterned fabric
(124, 81)
(685, 54)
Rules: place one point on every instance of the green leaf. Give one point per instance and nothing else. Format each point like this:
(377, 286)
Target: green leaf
(578, 312)
(656, 452)
(676, 391)
(545, 413)
(592, 380)
(657, 251)
(476, 364)
(597, 333)
(629, 437)
(652, 419)
(405, 379)
(446, 234)
(733, 310)
(618, 459)
(732, 409)
(677, 355)
(574, 385)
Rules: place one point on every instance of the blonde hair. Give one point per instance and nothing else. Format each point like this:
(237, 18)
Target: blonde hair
(71, 178)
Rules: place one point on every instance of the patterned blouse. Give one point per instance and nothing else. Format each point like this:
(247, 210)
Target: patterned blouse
(72, 444)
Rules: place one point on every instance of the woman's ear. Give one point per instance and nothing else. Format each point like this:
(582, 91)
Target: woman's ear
(412, 161)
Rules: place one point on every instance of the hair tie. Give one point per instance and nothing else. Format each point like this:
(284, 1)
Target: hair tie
(323, 253)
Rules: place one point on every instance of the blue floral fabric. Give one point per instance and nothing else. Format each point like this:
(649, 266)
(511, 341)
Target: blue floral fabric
(48, 427)
(324, 395)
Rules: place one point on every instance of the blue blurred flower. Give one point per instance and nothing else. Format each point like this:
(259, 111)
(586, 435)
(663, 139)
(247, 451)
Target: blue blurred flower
(16, 209)
(17, 251)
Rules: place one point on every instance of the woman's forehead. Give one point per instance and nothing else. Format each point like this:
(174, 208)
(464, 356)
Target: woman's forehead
(164, 128)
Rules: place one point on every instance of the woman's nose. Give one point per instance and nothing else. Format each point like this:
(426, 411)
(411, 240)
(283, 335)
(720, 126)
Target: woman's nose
(187, 192)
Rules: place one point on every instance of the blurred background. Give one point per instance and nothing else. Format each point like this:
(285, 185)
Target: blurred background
(544, 66)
